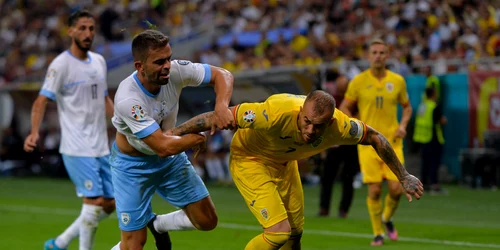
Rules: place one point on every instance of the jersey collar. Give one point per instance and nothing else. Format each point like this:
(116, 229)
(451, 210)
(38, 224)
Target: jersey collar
(142, 87)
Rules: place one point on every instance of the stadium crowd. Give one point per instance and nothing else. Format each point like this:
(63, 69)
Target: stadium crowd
(332, 31)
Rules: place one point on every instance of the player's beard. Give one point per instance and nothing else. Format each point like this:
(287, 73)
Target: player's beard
(82, 47)
(155, 78)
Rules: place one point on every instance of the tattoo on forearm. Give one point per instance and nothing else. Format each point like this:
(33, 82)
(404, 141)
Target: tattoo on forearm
(196, 124)
(386, 152)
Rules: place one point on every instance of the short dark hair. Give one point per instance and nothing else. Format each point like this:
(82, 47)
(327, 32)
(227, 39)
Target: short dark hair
(75, 16)
(146, 40)
(429, 92)
(322, 101)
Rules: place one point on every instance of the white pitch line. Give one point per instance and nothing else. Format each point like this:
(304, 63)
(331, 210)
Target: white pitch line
(73, 212)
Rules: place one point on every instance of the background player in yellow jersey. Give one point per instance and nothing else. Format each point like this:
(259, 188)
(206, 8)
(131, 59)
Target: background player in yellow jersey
(271, 137)
(377, 92)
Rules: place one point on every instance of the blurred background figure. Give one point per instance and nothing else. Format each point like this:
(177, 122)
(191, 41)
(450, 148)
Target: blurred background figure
(343, 159)
(429, 133)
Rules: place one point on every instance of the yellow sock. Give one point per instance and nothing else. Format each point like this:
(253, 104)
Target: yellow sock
(268, 241)
(375, 211)
(293, 242)
(390, 207)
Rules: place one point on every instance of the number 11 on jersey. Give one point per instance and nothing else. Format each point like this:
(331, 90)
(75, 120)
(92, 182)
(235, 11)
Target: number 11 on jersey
(379, 102)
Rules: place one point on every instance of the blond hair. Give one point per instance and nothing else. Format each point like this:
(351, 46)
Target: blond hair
(377, 41)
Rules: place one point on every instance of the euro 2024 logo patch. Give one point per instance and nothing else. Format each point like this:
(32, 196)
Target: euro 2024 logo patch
(249, 116)
(137, 112)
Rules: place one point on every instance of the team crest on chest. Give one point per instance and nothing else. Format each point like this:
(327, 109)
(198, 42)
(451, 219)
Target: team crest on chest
(389, 86)
(317, 142)
(137, 112)
(249, 116)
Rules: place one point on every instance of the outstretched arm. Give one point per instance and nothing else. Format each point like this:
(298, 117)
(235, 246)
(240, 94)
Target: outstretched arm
(411, 184)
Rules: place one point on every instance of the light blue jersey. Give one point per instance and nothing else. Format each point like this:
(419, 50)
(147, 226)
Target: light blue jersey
(138, 114)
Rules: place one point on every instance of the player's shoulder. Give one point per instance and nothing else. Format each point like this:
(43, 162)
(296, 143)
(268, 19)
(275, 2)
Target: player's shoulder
(361, 77)
(61, 60)
(283, 105)
(286, 100)
(97, 57)
(128, 89)
(393, 76)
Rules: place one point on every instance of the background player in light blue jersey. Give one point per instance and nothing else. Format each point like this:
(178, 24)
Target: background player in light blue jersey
(144, 160)
(76, 80)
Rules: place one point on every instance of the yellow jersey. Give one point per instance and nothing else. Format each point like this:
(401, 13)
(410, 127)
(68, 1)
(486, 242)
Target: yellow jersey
(268, 131)
(377, 101)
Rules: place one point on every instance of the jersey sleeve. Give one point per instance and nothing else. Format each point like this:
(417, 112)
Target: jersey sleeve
(351, 93)
(403, 98)
(352, 130)
(133, 113)
(191, 74)
(54, 78)
(253, 115)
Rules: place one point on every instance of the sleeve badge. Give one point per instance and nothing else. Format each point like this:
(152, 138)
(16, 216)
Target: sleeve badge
(249, 116)
(137, 112)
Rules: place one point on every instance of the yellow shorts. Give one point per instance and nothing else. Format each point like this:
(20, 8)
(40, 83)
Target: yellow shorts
(373, 168)
(271, 191)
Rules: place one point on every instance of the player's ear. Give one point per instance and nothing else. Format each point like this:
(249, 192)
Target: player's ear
(138, 66)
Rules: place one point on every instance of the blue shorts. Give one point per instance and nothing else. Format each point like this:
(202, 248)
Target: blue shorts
(91, 175)
(135, 180)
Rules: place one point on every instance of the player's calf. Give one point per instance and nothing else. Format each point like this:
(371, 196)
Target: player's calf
(134, 240)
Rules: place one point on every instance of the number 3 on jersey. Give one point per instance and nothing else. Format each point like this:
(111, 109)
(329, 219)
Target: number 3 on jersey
(379, 102)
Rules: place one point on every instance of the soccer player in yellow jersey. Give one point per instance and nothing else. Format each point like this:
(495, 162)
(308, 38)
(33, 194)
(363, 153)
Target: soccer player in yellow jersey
(377, 92)
(271, 137)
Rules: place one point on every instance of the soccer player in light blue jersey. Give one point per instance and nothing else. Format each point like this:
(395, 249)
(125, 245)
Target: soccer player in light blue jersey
(145, 160)
(76, 81)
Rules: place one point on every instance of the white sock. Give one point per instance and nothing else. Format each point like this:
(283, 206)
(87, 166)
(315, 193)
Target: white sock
(63, 240)
(174, 221)
(90, 219)
(117, 247)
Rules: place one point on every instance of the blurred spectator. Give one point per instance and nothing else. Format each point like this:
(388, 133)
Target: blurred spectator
(325, 31)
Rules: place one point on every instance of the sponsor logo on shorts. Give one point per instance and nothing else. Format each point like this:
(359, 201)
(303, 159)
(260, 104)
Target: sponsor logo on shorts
(125, 218)
(88, 184)
(249, 116)
(264, 213)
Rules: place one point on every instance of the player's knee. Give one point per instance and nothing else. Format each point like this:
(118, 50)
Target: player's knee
(96, 201)
(277, 239)
(208, 222)
(282, 226)
(375, 191)
(109, 206)
(134, 241)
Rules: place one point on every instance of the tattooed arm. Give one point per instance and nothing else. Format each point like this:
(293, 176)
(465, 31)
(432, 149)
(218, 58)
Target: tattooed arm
(411, 184)
(194, 125)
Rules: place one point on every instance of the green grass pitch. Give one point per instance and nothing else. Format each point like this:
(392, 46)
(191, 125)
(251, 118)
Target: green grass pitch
(33, 210)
